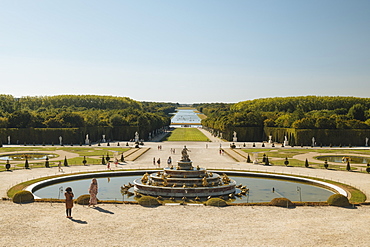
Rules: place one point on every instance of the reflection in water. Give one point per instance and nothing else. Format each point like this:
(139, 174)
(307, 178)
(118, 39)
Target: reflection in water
(260, 189)
(343, 159)
(186, 116)
(29, 156)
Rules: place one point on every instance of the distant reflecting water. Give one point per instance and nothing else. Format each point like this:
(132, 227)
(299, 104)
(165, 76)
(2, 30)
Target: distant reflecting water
(186, 116)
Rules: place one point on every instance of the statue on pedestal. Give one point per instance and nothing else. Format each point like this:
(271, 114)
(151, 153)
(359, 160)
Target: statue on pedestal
(184, 153)
(235, 139)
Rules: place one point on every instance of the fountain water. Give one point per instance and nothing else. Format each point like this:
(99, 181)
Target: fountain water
(184, 180)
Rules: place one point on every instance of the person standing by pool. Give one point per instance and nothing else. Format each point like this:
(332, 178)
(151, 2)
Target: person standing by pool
(93, 191)
(69, 201)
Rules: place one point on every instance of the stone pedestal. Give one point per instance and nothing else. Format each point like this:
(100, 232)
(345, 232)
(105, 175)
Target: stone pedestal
(184, 165)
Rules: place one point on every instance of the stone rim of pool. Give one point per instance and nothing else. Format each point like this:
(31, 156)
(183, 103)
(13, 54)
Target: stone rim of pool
(34, 187)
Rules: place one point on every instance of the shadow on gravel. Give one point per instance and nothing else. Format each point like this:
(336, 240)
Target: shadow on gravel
(102, 210)
(78, 221)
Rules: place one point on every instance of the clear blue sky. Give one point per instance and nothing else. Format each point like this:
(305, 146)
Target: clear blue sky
(185, 51)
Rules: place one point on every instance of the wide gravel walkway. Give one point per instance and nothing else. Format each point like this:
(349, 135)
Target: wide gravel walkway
(44, 224)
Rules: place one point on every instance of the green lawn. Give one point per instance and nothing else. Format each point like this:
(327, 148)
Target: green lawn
(186, 134)
(93, 155)
(281, 154)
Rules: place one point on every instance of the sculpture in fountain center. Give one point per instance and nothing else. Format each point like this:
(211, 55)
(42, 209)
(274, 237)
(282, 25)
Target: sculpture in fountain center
(185, 156)
(185, 182)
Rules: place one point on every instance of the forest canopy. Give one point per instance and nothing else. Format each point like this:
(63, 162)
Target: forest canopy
(302, 112)
(69, 111)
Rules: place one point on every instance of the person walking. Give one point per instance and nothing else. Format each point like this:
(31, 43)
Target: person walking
(60, 166)
(159, 162)
(69, 201)
(93, 191)
(169, 161)
(154, 161)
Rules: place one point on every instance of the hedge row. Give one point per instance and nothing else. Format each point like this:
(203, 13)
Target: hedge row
(69, 135)
(297, 137)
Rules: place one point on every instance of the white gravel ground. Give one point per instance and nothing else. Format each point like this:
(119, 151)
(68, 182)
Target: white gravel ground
(43, 224)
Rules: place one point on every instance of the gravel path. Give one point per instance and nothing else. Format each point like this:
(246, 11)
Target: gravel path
(44, 224)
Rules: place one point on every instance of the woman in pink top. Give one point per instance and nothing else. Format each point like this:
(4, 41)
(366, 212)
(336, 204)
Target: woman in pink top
(93, 191)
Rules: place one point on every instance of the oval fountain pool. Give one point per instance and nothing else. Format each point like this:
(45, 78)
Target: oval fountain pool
(261, 188)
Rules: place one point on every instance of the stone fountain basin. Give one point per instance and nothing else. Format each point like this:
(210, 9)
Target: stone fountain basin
(181, 192)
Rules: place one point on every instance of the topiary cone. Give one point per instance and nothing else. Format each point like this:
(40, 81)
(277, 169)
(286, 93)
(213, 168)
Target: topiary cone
(26, 165)
(65, 161)
(348, 167)
(47, 162)
(7, 166)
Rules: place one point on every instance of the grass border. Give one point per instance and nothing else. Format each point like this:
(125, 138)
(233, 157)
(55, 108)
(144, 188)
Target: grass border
(356, 196)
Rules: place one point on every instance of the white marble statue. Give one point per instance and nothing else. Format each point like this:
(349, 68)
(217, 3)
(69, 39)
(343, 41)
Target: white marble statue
(286, 141)
(235, 139)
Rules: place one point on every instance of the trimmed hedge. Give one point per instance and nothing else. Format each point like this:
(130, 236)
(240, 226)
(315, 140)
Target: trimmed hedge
(83, 199)
(338, 200)
(148, 201)
(23, 196)
(282, 202)
(70, 135)
(216, 202)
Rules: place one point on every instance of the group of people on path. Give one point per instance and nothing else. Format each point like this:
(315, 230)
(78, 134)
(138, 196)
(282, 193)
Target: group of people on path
(93, 191)
(158, 161)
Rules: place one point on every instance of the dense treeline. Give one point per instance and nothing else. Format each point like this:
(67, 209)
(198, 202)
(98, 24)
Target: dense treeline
(331, 120)
(74, 111)
(304, 112)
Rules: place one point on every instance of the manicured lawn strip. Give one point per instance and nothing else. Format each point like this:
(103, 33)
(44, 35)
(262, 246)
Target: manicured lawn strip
(95, 151)
(82, 151)
(185, 108)
(289, 153)
(282, 153)
(186, 134)
(202, 116)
